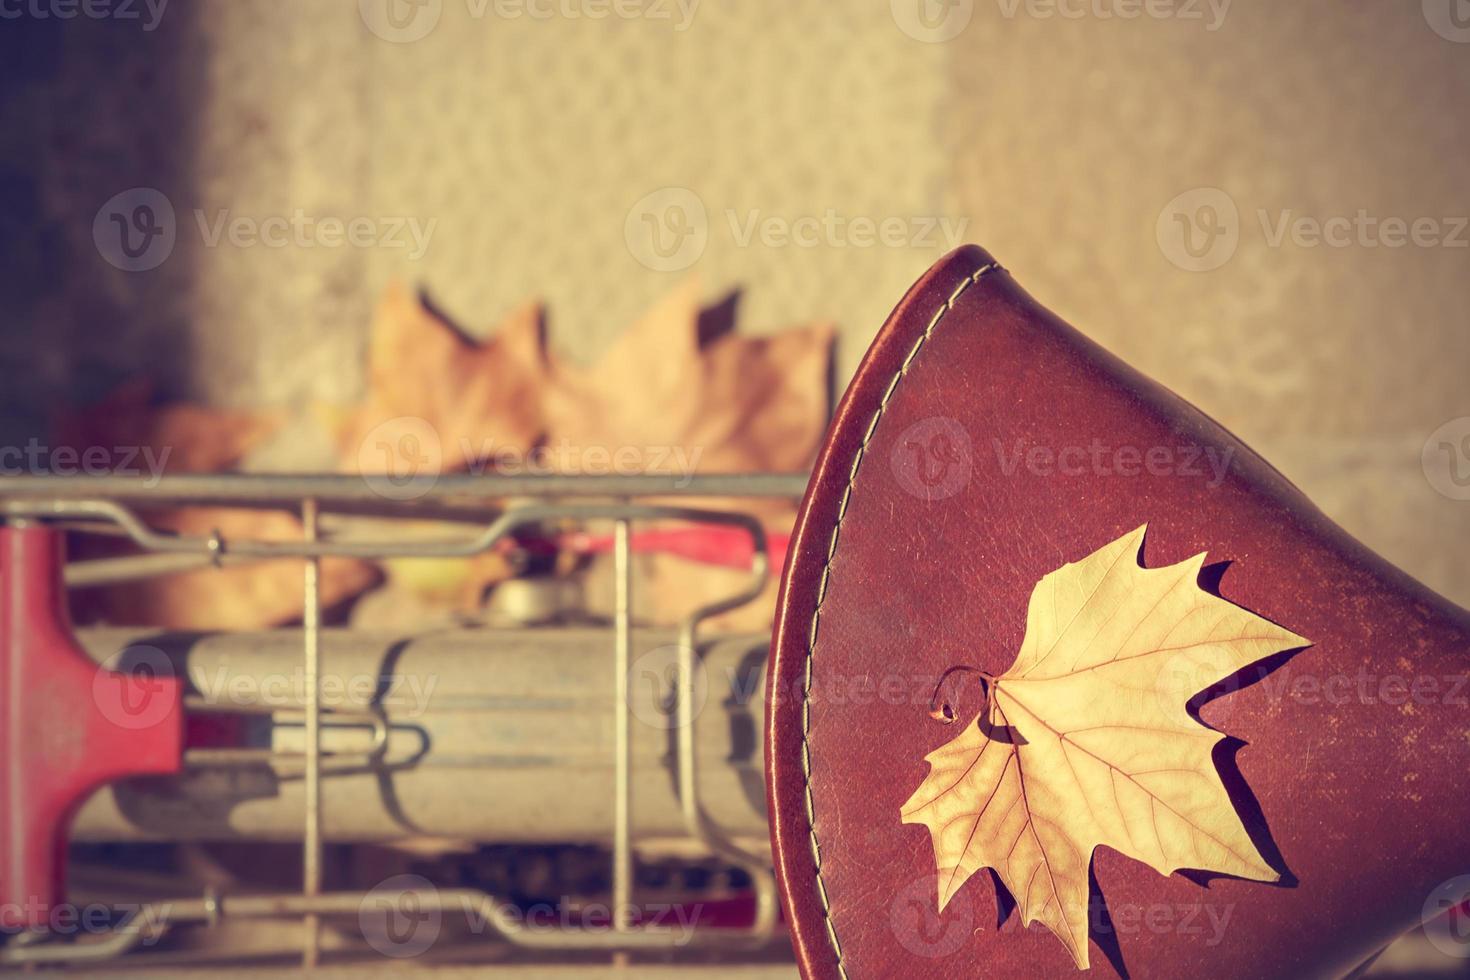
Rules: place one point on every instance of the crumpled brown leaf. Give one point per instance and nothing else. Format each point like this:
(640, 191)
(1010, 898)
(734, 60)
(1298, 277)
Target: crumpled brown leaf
(733, 404)
(478, 398)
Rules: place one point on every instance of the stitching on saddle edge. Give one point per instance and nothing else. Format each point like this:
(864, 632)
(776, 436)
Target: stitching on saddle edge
(806, 757)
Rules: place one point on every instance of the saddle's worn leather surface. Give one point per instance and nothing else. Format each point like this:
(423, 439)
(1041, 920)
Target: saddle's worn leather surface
(934, 511)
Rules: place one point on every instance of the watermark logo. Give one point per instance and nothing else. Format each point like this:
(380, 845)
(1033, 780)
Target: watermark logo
(1446, 459)
(1185, 461)
(653, 688)
(395, 919)
(667, 230)
(134, 689)
(1362, 230)
(302, 230)
(1446, 917)
(401, 459)
(135, 230)
(1206, 922)
(915, 919)
(147, 922)
(36, 458)
(1310, 689)
(932, 458)
(403, 916)
(1199, 230)
(405, 696)
(1450, 19)
(148, 12)
(832, 229)
(932, 21)
(400, 21)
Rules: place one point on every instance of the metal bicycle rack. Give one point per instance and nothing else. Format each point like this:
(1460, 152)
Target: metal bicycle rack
(110, 505)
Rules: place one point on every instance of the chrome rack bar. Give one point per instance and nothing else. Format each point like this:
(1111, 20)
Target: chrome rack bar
(311, 622)
(439, 547)
(700, 826)
(149, 921)
(329, 490)
(622, 734)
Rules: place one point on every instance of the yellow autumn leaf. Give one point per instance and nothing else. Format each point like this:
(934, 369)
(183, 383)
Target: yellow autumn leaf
(1086, 740)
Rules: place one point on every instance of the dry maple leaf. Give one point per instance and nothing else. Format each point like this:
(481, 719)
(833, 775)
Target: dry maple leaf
(733, 404)
(1087, 741)
(478, 398)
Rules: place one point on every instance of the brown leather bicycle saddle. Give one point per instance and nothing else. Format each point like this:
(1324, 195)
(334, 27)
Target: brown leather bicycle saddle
(982, 445)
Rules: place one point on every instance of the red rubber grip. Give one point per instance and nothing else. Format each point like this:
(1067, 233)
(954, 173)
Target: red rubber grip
(67, 726)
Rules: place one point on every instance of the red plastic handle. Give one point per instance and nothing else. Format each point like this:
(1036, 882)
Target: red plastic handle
(67, 726)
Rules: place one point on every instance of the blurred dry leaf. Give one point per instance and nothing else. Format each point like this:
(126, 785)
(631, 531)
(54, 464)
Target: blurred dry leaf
(181, 437)
(478, 398)
(731, 404)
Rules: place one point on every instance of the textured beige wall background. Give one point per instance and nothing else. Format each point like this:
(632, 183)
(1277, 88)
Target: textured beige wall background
(1059, 135)
(1069, 138)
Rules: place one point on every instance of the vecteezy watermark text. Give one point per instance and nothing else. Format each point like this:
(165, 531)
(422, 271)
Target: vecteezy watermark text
(1370, 688)
(136, 230)
(835, 230)
(37, 459)
(67, 919)
(402, 916)
(668, 229)
(1363, 230)
(304, 230)
(1200, 229)
(406, 695)
(403, 458)
(148, 12)
(1100, 459)
(925, 931)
